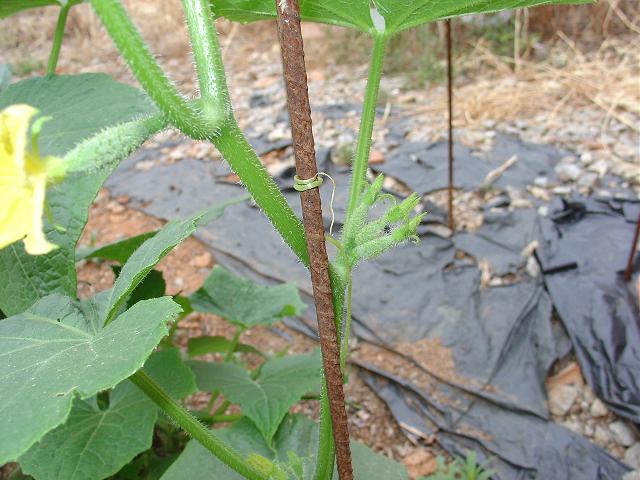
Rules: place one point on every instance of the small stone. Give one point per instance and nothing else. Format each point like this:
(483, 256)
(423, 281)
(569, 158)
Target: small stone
(542, 182)
(598, 409)
(543, 210)
(635, 475)
(568, 172)
(376, 157)
(562, 190)
(622, 433)
(145, 165)
(420, 463)
(521, 203)
(539, 193)
(600, 167)
(601, 436)
(574, 426)
(586, 157)
(203, 260)
(561, 398)
(632, 456)
(588, 179)
(533, 269)
(589, 431)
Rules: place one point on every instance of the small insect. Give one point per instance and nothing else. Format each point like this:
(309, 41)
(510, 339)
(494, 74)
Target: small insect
(283, 5)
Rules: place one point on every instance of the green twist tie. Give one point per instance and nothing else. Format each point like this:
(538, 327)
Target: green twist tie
(304, 185)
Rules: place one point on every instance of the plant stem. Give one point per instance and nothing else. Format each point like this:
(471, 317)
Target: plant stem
(235, 149)
(367, 120)
(206, 54)
(193, 427)
(295, 76)
(57, 38)
(233, 345)
(133, 49)
(222, 408)
(344, 349)
(325, 451)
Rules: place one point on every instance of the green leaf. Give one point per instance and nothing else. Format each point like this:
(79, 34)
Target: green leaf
(52, 353)
(266, 400)
(296, 434)
(368, 464)
(243, 302)
(204, 345)
(155, 249)
(80, 106)
(95, 443)
(117, 251)
(398, 14)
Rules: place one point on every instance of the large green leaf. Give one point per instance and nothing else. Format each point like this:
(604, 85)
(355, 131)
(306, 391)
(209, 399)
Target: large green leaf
(398, 14)
(243, 302)
(52, 353)
(79, 106)
(368, 464)
(95, 443)
(266, 400)
(297, 434)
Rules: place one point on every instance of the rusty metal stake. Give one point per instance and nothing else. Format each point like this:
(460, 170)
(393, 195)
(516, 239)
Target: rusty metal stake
(632, 254)
(447, 29)
(295, 76)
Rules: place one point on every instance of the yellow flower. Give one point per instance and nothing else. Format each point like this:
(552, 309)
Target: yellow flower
(23, 182)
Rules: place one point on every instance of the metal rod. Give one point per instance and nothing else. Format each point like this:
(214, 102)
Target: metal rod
(447, 29)
(632, 254)
(295, 76)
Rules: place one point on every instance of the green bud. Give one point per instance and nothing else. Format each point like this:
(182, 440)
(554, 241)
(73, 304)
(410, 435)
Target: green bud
(371, 193)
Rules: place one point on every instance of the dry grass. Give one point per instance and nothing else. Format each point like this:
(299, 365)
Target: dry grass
(607, 77)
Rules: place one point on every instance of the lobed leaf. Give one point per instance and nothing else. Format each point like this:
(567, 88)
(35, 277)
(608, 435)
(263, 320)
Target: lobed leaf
(398, 14)
(243, 302)
(52, 353)
(282, 382)
(95, 443)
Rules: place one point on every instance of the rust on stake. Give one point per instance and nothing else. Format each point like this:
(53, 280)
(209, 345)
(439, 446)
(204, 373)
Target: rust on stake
(447, 30)
(295, 76)
(632, 254)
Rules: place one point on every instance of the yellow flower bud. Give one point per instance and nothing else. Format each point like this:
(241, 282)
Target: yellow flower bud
(23, 181)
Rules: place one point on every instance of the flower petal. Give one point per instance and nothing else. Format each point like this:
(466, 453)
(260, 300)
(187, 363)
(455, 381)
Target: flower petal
(35, 242)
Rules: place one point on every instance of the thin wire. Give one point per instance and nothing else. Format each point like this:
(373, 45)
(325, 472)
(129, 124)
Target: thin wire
(333, 194)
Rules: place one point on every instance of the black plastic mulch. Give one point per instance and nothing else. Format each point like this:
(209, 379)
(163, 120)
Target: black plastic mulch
(584, 248)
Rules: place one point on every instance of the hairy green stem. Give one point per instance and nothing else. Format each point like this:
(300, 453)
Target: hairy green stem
(181, 113)
(112, 144)
(367, 120)
(193, 427)
(245, 163)
(206, 54)
(346, 331)
(326, 452)
(57, 38)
